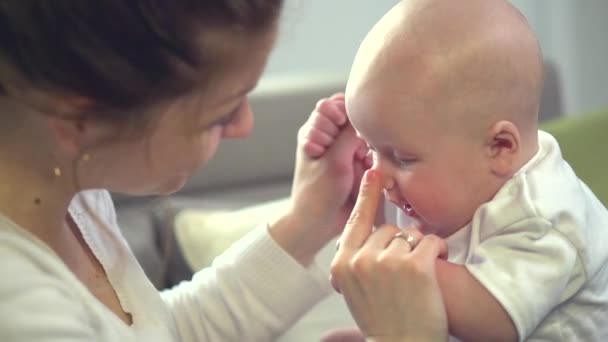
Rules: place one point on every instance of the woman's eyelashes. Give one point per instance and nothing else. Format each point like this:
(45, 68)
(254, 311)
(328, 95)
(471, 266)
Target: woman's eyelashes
(228, 118)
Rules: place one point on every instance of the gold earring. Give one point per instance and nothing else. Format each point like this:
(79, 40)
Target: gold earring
(86, 157)
(57, 171)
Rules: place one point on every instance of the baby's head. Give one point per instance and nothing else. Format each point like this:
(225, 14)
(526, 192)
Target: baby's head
(446, 93)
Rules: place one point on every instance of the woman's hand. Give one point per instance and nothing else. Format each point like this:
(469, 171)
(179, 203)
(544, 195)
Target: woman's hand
(330, 161)
(389, 281)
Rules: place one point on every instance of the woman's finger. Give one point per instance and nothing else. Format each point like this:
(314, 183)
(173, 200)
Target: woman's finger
(360, 224)
(380, 238)
(406, 242)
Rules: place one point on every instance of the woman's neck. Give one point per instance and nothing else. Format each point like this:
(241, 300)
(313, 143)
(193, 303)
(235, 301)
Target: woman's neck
(33, 197)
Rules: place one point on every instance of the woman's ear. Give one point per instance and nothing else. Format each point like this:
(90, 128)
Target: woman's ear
(69, 133)
(71, 127)
(504, 148)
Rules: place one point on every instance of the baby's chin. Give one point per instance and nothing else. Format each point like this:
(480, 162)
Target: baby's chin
(410, 219)
(422, 226)
(427, 229)
(441, 232)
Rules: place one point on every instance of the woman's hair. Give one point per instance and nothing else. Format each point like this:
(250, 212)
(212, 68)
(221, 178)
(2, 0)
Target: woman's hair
(122, 54)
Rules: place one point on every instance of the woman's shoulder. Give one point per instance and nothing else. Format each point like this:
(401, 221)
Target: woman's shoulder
(23, 256)
(37, 303)
(33, 287)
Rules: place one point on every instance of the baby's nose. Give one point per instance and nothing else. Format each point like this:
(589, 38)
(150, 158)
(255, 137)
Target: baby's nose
(387, 181)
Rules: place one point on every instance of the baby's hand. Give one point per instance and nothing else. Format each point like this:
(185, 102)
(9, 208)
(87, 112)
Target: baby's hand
(320, 131)
(324, 125)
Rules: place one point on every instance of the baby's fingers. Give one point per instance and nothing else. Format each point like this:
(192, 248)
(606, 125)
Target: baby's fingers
(313, 150)
(337, 96)
(316, 142)
(334, 110)
(325, 124)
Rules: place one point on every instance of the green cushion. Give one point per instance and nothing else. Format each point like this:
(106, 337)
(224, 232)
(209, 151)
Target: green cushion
(582, 139)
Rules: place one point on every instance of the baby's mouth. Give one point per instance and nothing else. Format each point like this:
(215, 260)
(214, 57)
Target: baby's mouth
(408, 209)
(401, 203)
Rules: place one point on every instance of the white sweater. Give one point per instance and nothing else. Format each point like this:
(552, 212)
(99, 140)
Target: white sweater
(253, 292)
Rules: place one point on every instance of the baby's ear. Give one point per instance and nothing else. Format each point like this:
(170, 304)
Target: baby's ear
(503, 148)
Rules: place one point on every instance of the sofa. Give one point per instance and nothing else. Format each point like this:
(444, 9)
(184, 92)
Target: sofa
(583, 144)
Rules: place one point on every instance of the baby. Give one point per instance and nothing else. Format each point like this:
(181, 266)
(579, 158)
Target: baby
(446, 95)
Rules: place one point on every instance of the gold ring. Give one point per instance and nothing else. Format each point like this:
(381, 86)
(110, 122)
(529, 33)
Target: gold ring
(410, 239)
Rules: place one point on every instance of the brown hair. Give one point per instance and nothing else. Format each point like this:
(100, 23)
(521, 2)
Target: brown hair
(120, 54)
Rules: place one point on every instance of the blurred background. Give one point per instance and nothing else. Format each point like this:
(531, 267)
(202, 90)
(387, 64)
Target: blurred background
(321, 37)
(317, 44)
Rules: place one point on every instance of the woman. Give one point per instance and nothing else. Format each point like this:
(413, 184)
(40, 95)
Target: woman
(134, 97)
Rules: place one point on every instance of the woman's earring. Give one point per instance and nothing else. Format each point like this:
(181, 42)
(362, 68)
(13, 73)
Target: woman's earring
(57, 170)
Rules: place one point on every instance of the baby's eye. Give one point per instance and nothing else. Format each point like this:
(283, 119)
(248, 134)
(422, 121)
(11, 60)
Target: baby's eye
(404, 162)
